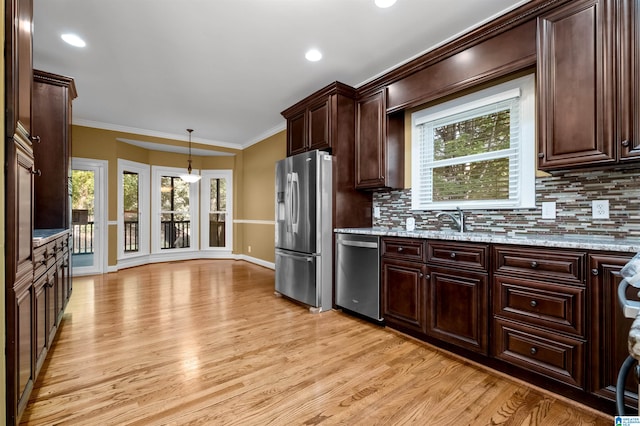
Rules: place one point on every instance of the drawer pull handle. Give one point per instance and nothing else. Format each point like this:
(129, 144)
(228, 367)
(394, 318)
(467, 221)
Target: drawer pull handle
(533, 350)
(533, 303)
(534, 264)
(400, 248)
(453, 255)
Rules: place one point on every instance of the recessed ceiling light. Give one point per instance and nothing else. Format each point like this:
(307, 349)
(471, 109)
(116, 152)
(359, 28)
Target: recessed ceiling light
(385, 3)
(313, 55)
(73, 40)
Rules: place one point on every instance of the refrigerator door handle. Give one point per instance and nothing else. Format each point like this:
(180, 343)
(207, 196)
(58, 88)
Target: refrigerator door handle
(295, 205)
(287, 204)
(295, 256)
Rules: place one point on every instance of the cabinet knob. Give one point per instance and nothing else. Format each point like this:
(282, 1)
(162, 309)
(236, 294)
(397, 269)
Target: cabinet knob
(625, 143)
(400, 249)
(35, 139)
(534, 264)
(595, 272)
(421, 275)
(453, 255)
(427, 276)
(541, 155)
(533, 303)
(533, 350)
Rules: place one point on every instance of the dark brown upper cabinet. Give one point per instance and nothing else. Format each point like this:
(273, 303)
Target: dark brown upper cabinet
(588, 84)
(628, 42)
(52, 111)
(379, 144)
(321, 120)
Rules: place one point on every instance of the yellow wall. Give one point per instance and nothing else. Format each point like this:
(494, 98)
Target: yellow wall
(258, 196)
(253, 181)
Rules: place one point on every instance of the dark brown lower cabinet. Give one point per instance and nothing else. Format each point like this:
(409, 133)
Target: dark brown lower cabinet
(403, 294)
(24, 374)
(550, 354)
(457, 307)
(609, 327)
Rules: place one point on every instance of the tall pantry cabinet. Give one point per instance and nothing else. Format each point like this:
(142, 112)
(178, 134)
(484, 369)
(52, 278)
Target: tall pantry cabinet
(37, 160)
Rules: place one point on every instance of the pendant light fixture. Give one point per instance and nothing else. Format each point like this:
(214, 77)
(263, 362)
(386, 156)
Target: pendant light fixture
(188, 177)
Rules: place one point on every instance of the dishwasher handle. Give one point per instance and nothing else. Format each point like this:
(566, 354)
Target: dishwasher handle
(362, 244)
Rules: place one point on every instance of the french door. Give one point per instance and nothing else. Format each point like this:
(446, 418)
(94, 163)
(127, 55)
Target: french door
(89, 216)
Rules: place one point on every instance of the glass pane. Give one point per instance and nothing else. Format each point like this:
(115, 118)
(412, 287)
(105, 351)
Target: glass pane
(180, 195)
(130, 183)
(175, 230)
(485, 133)
(217, 229)
(82, 205)
(166, 193)
(482, 180)
(218, 195)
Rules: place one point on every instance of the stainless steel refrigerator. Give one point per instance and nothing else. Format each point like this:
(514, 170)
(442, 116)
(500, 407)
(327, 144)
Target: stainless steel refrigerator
(304, 205)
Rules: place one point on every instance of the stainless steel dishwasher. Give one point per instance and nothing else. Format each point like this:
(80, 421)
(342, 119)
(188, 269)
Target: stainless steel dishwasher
(358, 274)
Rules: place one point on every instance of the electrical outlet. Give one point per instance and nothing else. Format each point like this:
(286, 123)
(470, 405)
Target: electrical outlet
(249, 249)
(549, 210)
(376, 212)
(600, 209)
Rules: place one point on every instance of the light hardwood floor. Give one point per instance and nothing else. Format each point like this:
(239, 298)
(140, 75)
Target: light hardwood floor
(208, 343)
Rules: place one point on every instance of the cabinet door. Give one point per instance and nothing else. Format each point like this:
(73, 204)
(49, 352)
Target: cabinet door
(370, 129)
(379, 144)
(318, 124)
(576, 91)
(628, 43)
(296, 134)
(19, 66)
(609, 328)
(458, 307)
(40, 320)
(403, 295)
(24, 372)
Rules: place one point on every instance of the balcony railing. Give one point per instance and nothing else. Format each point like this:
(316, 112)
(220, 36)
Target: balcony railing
(82, 238)
(173, 234)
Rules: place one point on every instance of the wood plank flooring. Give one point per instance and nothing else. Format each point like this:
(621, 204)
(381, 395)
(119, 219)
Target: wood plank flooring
(207, 343)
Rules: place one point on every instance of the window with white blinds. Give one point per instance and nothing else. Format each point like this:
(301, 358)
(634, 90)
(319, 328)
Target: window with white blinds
(476, 151)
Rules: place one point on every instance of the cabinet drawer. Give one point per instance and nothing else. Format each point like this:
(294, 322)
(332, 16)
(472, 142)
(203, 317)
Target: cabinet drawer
(555, 306)
(473, 256)
(410, 249)
(43, 258)
(552, 355)
(541, 264)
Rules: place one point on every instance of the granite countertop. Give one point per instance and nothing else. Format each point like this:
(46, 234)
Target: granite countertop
(584, 242)
(43, 236)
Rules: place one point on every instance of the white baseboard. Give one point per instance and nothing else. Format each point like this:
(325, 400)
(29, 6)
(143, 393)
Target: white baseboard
(190, 255)
(257, 261)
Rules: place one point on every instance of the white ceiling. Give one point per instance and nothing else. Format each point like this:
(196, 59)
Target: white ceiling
(227, 68)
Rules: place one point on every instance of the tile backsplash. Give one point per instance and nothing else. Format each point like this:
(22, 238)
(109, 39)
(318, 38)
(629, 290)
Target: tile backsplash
(572, 192)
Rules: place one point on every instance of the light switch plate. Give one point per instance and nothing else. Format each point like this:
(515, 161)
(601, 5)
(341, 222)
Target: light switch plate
(600, 209)
(548, 209)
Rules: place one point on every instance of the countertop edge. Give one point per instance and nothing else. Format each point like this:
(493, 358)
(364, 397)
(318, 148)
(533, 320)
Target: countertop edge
(44, 236)
(581, 242)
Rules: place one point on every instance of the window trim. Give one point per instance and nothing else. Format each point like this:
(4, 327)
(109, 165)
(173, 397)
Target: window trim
(525, 86)
(194, 195)
(144, 185)
(205, 189)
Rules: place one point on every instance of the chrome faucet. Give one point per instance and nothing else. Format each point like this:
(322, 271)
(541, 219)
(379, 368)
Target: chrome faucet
(458, 219)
